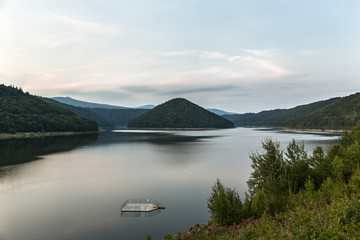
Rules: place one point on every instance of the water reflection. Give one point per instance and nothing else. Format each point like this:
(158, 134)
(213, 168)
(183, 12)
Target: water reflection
(110, 137)
(140, 214)
(299, 132)
(17, 151)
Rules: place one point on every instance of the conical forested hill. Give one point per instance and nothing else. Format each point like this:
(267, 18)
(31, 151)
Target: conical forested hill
(22, 112)
(179, 113)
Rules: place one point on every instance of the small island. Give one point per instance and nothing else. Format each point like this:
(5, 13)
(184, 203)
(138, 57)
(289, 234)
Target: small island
(181, 114)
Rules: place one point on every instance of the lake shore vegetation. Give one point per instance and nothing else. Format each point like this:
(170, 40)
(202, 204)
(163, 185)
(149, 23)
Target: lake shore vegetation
(291, 195)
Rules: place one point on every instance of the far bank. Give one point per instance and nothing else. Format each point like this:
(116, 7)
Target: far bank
(42, 134)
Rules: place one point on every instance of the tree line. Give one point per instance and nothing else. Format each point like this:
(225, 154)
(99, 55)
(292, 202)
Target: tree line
(22, 112)
(335, 113)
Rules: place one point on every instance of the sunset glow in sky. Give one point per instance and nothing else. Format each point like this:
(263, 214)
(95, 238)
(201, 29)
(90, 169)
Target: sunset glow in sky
(240, 56)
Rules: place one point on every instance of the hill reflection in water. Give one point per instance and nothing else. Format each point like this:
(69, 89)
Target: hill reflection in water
(18, 151)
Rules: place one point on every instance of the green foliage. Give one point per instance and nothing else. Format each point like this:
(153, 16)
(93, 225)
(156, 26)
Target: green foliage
(267, 182)
(224, 205)
(148, 237)
(339, 220)
(334, 113)
(267, 167)
(347, 157)
(179, 113)
(297, 166)
(22, 112)
(168, 236)
(321, 166)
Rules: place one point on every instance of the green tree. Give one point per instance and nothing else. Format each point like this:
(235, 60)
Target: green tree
(168, 236)
(297, 166)
(268, 183)
(225, 205)
(267, 166)
(347, 157)
(321, 166)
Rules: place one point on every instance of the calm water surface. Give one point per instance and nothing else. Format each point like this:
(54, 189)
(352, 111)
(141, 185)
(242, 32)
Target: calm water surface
(73, 187)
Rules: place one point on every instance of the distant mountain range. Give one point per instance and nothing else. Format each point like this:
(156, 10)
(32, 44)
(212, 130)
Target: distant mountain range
(22, 112)
(220, 112)
(83, 104)
(335, 113)
(179, 113)
(106, 115)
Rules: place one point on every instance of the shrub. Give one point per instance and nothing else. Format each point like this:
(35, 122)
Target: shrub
(225, 205)
(148, 237)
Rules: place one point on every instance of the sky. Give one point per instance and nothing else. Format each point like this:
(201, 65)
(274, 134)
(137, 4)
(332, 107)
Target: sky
(235, 55)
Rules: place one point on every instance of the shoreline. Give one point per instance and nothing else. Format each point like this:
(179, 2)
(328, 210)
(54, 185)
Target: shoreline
(312, 130)
(41, 134)
(299, 129)
(179, 129)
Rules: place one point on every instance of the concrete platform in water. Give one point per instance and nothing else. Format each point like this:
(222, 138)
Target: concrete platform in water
(140, 205)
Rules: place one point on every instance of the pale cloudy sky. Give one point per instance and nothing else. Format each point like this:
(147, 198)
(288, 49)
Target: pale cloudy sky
(237, 55)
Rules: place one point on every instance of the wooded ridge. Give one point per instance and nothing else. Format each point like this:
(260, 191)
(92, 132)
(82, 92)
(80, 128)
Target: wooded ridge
(334, 113)
(22, 112)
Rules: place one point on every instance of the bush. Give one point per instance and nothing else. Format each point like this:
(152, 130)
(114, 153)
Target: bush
(168, 236)
(225, 205)
(148, 237)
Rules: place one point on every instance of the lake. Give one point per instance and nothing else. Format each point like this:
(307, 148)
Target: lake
(73, 187)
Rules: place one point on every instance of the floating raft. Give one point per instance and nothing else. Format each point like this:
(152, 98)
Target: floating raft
(140, 205)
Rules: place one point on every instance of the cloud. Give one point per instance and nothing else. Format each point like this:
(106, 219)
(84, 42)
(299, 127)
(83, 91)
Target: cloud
(260, 64)
(58, 30)
(139, 89)
(261, 53)
(88, 26)
(178, 89)
(151, 74)
(100, 96)
(181, 90)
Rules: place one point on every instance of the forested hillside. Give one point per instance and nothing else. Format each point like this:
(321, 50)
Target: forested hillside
(84, 104)
(81, 112)
(104, 117)
(179, 113)
(22, 112)
(334, 113)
